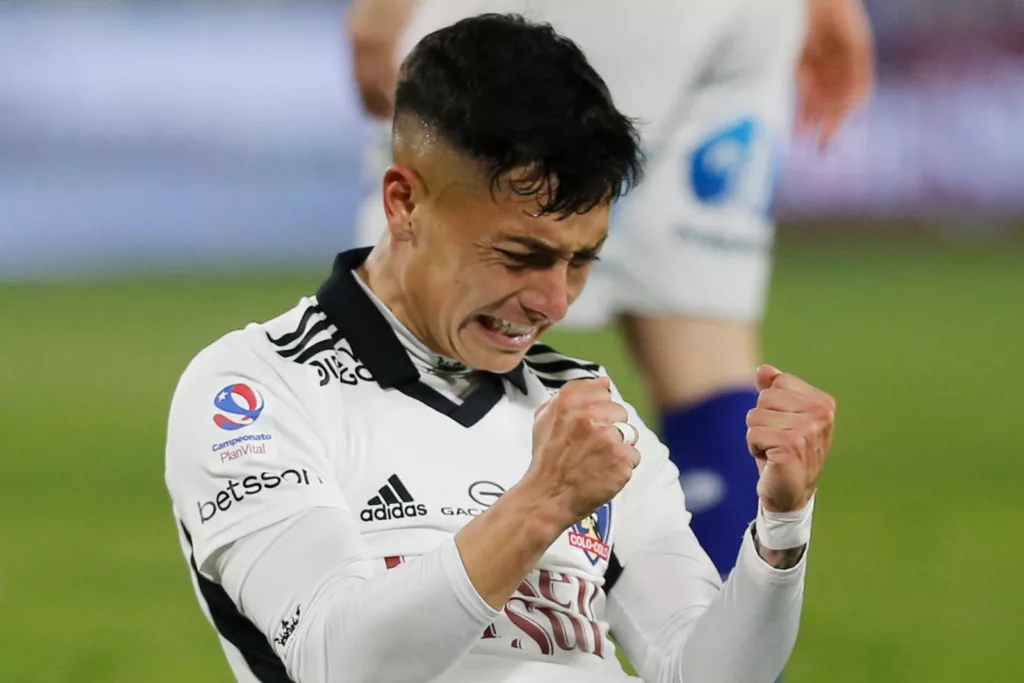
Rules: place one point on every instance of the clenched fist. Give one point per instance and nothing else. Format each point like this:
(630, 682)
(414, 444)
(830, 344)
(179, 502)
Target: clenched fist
(789, 434)
(580, 460)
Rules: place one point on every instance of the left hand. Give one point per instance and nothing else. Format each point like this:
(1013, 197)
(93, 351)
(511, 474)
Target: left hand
(374, 30)
(789, 434)
(836, 68)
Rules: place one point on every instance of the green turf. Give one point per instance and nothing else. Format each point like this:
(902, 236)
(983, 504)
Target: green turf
(914, 567)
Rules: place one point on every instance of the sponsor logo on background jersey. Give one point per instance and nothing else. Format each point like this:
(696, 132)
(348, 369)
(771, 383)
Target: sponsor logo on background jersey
(704, 489)
(483, 493)
(238, 405)
(393, 501)
(253, 485)
(717, 166)
(590, 534)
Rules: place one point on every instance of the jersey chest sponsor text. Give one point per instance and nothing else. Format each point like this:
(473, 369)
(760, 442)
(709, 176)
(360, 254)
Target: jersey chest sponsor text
(403, 508)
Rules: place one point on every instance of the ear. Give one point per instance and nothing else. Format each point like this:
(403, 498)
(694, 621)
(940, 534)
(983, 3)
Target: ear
(402, 190)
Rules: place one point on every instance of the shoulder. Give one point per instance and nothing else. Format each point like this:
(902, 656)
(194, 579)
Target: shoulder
(237, 375)
(243, 416)
(265, 350)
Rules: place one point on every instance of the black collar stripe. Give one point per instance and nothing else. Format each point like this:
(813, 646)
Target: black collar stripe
(540, 354)
(540, 348)
(286, 339)
(467, 413)
(311, 333)
(235, 628)
(319, 347)
(552, 383)
(375, 344)
(563, 365)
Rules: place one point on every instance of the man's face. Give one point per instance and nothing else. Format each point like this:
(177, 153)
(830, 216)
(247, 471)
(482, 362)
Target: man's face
(484, 275)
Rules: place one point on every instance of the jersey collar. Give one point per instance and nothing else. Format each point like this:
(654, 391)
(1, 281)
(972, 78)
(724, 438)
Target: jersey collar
(370, 335)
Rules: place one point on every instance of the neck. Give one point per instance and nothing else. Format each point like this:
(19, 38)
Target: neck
(383, 275)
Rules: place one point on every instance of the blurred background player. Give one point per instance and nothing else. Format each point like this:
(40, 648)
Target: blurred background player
(686, 267)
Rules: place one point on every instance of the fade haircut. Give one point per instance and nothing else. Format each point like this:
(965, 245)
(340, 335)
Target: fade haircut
(516, 95)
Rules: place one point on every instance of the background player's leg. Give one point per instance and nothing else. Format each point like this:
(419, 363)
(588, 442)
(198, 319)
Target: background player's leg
(698, 373)
(694, 250)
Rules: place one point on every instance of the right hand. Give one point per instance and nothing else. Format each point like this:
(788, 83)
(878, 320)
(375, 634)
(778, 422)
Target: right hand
(374, 29)
(579, 459)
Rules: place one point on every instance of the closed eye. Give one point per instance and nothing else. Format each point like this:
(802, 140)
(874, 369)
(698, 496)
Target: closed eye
(584, 259)
(541, 260)
(531, 259)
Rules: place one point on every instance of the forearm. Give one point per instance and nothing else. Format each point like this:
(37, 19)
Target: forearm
(696, 630)
(500, 547)
(410, 624)
(758, 611)
(309, 587)
(354, 624)
(749, 630)
(780, 559)
(781, 538)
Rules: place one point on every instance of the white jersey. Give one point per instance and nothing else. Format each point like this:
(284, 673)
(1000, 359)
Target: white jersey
(320, 465)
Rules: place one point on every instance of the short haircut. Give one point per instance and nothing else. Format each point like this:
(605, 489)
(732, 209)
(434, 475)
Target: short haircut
(513, 94)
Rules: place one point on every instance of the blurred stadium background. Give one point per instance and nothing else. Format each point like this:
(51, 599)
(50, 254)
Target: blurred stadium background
(171, 170)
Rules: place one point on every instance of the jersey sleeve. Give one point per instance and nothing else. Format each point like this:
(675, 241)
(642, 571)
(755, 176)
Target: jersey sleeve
(670, 611)
(331, 619)
(242, 453)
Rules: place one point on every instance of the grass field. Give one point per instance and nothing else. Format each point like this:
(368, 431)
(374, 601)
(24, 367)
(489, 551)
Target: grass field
(915, 570)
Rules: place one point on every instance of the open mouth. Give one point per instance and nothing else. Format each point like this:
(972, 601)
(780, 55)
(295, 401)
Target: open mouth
(507, 334)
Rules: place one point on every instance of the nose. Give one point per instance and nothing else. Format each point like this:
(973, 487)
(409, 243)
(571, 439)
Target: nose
(548, 292)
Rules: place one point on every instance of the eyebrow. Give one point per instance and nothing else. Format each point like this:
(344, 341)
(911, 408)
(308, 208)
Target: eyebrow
(545, 248)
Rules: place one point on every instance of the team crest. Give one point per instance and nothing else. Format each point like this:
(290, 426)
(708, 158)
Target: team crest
(590, 534)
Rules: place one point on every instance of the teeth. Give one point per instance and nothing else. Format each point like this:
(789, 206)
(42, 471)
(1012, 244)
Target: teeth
(512, 329)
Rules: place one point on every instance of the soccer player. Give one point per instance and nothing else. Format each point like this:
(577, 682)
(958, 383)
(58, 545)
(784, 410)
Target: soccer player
(686, 266)
(395, 481)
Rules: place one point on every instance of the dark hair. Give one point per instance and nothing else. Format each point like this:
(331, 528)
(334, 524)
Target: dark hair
(515, 94)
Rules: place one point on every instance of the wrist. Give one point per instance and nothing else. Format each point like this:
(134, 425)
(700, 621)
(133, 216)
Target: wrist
(784, 530)
(503, 544)
(543, 518)
(785, 558)
(791, 507)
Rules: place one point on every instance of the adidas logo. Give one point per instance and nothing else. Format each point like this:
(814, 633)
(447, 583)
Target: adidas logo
(393, 501)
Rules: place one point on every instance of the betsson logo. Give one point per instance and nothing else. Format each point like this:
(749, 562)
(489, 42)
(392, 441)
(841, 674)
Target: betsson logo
(252, 485)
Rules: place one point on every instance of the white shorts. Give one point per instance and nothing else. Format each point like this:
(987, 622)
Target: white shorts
(711, 83)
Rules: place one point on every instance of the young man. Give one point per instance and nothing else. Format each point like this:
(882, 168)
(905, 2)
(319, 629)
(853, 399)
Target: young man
(686, 266)
(394, 481)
